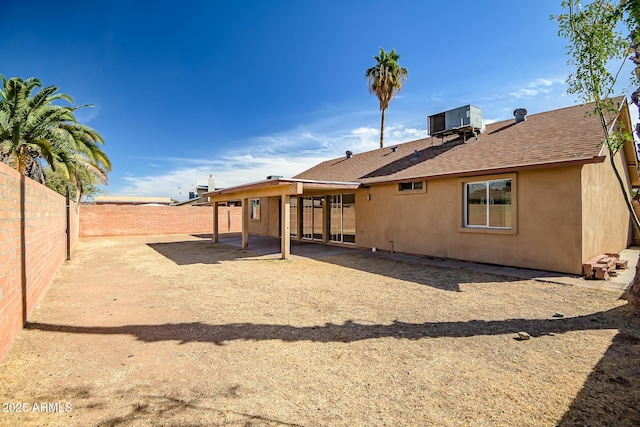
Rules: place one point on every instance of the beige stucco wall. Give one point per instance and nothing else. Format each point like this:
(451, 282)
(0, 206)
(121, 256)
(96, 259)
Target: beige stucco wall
(548, 222)
(605, 218)
(268, 224)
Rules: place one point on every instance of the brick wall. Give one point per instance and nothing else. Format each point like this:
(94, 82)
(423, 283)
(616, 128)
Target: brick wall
(32, 247)
(120, 220)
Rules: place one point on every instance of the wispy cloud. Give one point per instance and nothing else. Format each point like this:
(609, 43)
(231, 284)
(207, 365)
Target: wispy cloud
(87, 114)
(283, 154)
(540, 86)
(319, 136)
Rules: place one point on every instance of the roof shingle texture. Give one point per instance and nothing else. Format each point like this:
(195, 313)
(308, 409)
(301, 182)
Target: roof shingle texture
(559, 136)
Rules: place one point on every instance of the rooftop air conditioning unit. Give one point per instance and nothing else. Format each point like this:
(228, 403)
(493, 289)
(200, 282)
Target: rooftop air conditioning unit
(467, 119)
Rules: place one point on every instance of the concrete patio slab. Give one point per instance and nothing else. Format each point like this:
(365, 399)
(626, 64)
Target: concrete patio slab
(269, 247)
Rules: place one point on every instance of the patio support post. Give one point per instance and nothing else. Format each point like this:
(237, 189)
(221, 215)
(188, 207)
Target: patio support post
(245, 223)
(215, 222)
(285, 238)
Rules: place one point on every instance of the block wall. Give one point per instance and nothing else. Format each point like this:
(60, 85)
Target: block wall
(121, 220)
(32, 247)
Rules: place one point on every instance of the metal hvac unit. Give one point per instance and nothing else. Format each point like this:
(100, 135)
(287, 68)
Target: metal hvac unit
(467, 119)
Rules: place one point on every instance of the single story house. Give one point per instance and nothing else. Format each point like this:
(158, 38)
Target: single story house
(535, 192)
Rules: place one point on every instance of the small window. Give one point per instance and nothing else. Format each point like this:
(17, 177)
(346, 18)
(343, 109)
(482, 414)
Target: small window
(255, 209)
(410, 186)
(488, 204)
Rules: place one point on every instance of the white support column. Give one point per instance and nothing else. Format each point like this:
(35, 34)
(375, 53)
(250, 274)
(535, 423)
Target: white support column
(285, 229)
(245, 223)
(215, 222)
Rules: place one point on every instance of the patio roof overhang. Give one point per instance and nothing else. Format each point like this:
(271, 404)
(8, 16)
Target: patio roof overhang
(277, 187)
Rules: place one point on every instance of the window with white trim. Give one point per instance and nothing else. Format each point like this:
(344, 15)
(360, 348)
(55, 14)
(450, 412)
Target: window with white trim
(255, 209)
(410, 186)
(487, 204)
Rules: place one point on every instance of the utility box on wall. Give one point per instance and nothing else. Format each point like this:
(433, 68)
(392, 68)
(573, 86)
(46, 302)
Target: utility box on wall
(459, 120)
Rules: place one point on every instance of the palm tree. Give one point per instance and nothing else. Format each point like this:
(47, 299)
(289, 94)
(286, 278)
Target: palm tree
(385, 79)
(36, 133)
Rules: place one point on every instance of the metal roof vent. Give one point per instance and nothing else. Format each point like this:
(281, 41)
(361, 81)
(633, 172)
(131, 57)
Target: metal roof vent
(415, 155)
(394, 149)
(349, 154)
(274, 177)
(520, 114)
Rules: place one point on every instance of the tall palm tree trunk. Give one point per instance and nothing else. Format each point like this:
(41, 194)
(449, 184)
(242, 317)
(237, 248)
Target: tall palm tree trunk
(382, 129)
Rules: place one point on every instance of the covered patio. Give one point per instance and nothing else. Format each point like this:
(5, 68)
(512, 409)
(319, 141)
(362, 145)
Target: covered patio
(274, 188)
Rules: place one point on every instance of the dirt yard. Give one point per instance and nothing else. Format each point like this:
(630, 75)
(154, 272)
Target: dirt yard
(178, 331)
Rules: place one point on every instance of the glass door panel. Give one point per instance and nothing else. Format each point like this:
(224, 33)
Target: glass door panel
(349, 218)
(335, 219)
(307, 217)
(293, 215)
(318, 217)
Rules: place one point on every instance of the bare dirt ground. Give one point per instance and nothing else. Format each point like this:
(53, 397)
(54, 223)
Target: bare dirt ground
(176, 330)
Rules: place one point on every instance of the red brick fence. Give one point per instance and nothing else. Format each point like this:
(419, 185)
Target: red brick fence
(33, 245)
(33, 238)
(119, 220)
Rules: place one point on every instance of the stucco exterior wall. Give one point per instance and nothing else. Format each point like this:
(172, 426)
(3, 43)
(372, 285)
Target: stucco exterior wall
(268, 224)
(605, 218)
(548, 223)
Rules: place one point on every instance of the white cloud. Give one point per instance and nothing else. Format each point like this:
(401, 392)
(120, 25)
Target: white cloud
(285, 155)
(87, 114)
(537, 87)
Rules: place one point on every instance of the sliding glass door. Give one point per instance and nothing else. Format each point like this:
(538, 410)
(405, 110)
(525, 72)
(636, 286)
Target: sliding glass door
(342, 218)
(312, 217)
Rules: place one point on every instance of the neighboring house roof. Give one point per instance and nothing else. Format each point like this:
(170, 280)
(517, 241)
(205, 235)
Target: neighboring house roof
(559, 137)
(131, 200)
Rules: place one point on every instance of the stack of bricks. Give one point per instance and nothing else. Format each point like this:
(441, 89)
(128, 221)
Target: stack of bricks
(602, 266)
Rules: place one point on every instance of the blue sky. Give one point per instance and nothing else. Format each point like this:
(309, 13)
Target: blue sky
(244, 89)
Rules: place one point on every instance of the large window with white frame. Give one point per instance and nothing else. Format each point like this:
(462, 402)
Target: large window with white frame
(488, 204)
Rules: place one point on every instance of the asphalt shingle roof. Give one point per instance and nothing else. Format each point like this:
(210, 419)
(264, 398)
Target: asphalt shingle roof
(560, 136)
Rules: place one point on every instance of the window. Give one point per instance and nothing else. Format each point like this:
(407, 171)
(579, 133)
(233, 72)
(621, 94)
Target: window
(255, 209)
(408, 186)
(487, 204)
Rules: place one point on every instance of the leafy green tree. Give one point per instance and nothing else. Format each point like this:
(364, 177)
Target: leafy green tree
(40, 138)
(595, 43)
(58, 183)
(386, 79)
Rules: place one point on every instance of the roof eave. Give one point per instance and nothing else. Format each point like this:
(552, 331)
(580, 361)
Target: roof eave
(307, 183)
(492, 171)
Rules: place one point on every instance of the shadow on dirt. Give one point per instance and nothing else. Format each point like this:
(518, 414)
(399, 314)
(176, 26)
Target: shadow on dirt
(199, 252)
(413, 269)
(349, 331)
(159, 409)
(608, 397)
